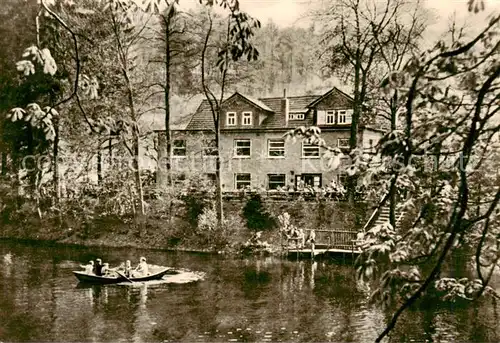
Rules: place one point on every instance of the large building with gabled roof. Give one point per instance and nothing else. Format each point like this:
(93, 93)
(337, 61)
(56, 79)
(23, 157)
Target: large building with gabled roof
(254, 151)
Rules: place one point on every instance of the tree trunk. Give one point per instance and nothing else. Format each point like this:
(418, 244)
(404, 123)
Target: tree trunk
(4, 163)
(219, 202)
(137, 170)
(216, 116)
(57, 189)
(392, 191)
(394, 111)
(353, 139)
(110, 151)
(124, 60)
(168, 138)
(37, 192)
(135, 148)
(392, 206)
(99, 165)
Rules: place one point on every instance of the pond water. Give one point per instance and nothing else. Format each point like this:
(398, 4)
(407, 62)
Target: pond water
(252, 299)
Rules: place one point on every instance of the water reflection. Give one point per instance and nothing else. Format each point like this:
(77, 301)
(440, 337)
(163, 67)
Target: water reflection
(142, 323)
(239, 300)
(7, 264)
(314, 267)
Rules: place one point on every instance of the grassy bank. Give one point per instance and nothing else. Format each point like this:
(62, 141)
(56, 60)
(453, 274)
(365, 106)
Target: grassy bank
(186, 226)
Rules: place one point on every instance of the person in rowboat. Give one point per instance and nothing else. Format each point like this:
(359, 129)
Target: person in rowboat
(128, 268)
(98, 267)
(125, 268)
(89, 268)
(142, 268)
(105, 270)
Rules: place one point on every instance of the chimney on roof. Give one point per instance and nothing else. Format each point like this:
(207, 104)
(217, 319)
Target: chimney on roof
(285, 106)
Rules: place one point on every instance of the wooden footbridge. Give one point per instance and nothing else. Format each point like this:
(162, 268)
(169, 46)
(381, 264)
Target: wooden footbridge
(327, 242)
(336, 242)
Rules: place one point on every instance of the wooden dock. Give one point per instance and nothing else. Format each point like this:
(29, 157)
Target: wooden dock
(329, 243)
(313, 253)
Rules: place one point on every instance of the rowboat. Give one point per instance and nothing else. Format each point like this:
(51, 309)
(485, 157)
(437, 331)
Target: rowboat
(119, 277)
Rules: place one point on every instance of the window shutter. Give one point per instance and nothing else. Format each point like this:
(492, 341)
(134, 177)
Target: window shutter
(321, 117)
(348, 116)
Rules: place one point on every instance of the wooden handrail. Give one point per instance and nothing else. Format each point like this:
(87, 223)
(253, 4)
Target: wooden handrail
(372, 219)
(400, 217)
(333, 231)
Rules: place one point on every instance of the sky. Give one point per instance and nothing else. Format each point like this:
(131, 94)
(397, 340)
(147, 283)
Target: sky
(292, 12)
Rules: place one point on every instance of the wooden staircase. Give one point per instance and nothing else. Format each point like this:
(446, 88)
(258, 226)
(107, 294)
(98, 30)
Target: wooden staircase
(342, 241)
(381, 216)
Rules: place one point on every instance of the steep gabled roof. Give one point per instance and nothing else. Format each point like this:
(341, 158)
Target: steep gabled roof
(296, 104)
(202, 118)
(256, 102)
(331, 91)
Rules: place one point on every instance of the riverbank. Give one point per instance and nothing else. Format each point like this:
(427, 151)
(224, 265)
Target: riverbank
(117, 240)
(150, 233)
(181, 230)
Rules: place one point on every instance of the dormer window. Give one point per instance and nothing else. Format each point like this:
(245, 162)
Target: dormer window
(330, 117)
(231, 118)
(342, 117)
(246, 119)
(334, 117)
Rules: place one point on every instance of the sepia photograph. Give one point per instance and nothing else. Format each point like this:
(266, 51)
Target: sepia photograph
(250, 171)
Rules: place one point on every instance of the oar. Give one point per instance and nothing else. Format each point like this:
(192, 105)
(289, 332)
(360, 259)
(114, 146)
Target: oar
(124, 276)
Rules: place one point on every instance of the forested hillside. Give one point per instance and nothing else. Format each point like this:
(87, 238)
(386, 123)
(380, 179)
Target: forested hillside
(288, 59)
(83, 84)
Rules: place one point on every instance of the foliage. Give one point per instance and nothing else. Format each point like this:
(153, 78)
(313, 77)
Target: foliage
(234, 45)
(255, 245)
(256, 215)
(441, 163)
(287, 229)
(207, 220)
(210, 234)
(361, 42)
(196, 194)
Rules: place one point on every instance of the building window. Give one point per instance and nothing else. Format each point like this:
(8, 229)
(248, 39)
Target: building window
(242, 181)
(330, 117)
(231, 118)
(209, 147)
(310, 180)
(276, 148)
(242, 147)
(276, 181)
(343, 142)
(344, 117)
(296, 116)
(247, 118)
(179, 148)
(310, 150)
